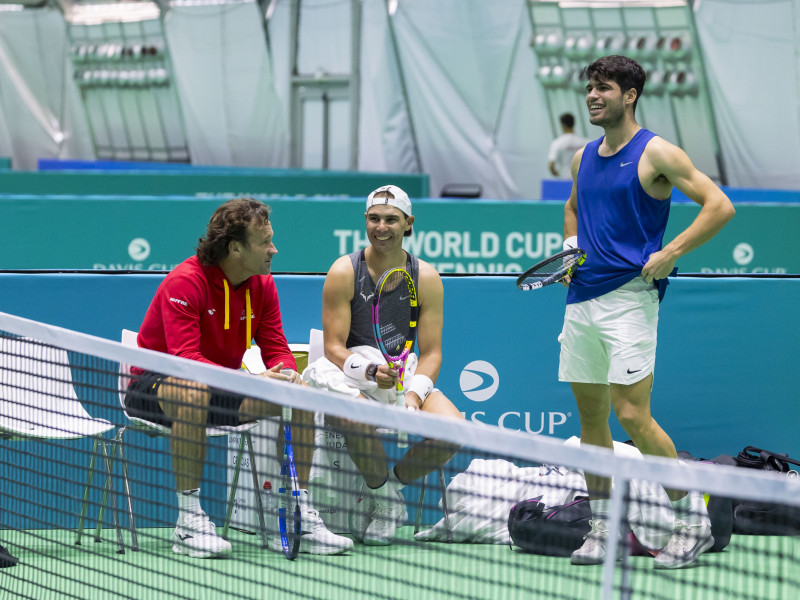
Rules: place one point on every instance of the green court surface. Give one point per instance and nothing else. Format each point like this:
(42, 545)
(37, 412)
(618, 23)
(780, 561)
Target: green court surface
(51, 566)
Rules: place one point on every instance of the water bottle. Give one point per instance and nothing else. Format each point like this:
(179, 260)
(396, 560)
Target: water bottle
(270, 503)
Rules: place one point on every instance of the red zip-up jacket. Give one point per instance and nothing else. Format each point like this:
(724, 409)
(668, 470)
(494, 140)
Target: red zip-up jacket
(198, 314)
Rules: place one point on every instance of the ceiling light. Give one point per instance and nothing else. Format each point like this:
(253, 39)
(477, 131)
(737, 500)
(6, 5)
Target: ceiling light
(119, 12)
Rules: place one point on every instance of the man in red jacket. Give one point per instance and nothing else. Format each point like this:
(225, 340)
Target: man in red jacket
(208, 309)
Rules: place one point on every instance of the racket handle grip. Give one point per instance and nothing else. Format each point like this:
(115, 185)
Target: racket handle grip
(402, 436)
(400, 398)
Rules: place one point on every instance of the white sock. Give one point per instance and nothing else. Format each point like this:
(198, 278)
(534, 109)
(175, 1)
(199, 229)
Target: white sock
(691, 509)
(189, 501)
(682, 508)
(392, 483)
(601, 509)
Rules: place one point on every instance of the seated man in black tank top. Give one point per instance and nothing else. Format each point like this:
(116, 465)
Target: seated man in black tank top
(346, 304)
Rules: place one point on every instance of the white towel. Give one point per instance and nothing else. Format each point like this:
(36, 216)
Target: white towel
(322, 373)
(481, 498)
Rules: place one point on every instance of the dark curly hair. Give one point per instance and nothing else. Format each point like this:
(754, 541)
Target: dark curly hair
(623, 71)
(228, 224)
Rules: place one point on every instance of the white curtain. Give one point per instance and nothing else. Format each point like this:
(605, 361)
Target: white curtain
(226, 87)
(473, 104)
(40, 111)
(385, 138)
(751, 52)
(477, 113)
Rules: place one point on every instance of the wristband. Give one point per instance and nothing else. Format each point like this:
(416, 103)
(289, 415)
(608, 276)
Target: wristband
(355, 369)
(421, 385)
(571, 242)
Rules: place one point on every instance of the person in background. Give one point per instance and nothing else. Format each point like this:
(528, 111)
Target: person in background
(564, 147)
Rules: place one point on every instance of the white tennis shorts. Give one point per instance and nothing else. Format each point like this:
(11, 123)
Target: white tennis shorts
(611, 339)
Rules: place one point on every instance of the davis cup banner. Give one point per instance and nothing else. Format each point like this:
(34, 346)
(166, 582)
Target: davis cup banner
(464, 236)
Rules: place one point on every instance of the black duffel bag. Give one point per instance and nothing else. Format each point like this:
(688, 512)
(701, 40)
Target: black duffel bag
(756, 517)
(555, 531)
(766, 518)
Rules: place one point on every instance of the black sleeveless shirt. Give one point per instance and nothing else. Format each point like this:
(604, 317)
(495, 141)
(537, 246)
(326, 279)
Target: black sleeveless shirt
(363, 293)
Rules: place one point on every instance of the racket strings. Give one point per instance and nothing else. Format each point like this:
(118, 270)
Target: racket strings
(558, 267)
(394, 313)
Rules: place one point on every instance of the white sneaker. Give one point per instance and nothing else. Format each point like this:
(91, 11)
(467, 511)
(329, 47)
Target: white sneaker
(361, 515)
(194, 535)
(686, 544)
(593, 551)
(389, 514)
(315, 536)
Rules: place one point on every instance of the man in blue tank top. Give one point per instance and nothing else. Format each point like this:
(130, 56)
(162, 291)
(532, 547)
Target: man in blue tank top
(618, 210)
(351, 350)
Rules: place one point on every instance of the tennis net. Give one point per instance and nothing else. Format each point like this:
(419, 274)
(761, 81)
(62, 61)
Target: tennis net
(61, 419)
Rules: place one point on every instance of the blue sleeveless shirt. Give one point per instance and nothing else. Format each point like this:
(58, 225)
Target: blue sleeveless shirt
(619, 224)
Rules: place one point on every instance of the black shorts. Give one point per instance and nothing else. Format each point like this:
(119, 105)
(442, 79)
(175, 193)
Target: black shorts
(141, 400)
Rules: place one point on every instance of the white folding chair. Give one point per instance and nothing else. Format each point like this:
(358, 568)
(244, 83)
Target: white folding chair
(155, 430)
(265, 437)
(316, 349)
(38, 402)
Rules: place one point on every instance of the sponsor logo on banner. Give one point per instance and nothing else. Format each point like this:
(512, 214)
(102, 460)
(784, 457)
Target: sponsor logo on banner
(466, 251)
(138, 251)
(123, 266)
(544, 422)
(743, 255)
(479, 381)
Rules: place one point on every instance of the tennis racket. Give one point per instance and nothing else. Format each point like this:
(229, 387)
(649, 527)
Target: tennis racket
(551, 270)
(394, 323)
(289, 522)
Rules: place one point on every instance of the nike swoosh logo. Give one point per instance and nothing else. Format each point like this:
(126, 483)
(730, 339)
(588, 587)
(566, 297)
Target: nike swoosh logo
(403, 298)
(185, 537)
(354, 366)
(634, 371)
(622, 164)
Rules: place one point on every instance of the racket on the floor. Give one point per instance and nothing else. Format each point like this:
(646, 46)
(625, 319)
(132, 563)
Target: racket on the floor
(551, 270)
(289, 522)
(394, 323)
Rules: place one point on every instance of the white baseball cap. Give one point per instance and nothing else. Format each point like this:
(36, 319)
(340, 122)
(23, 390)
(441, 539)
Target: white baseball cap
(399, 199)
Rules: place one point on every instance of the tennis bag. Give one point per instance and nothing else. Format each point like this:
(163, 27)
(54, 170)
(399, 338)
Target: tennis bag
(555, 531)
(733, 515)
(766, 518)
